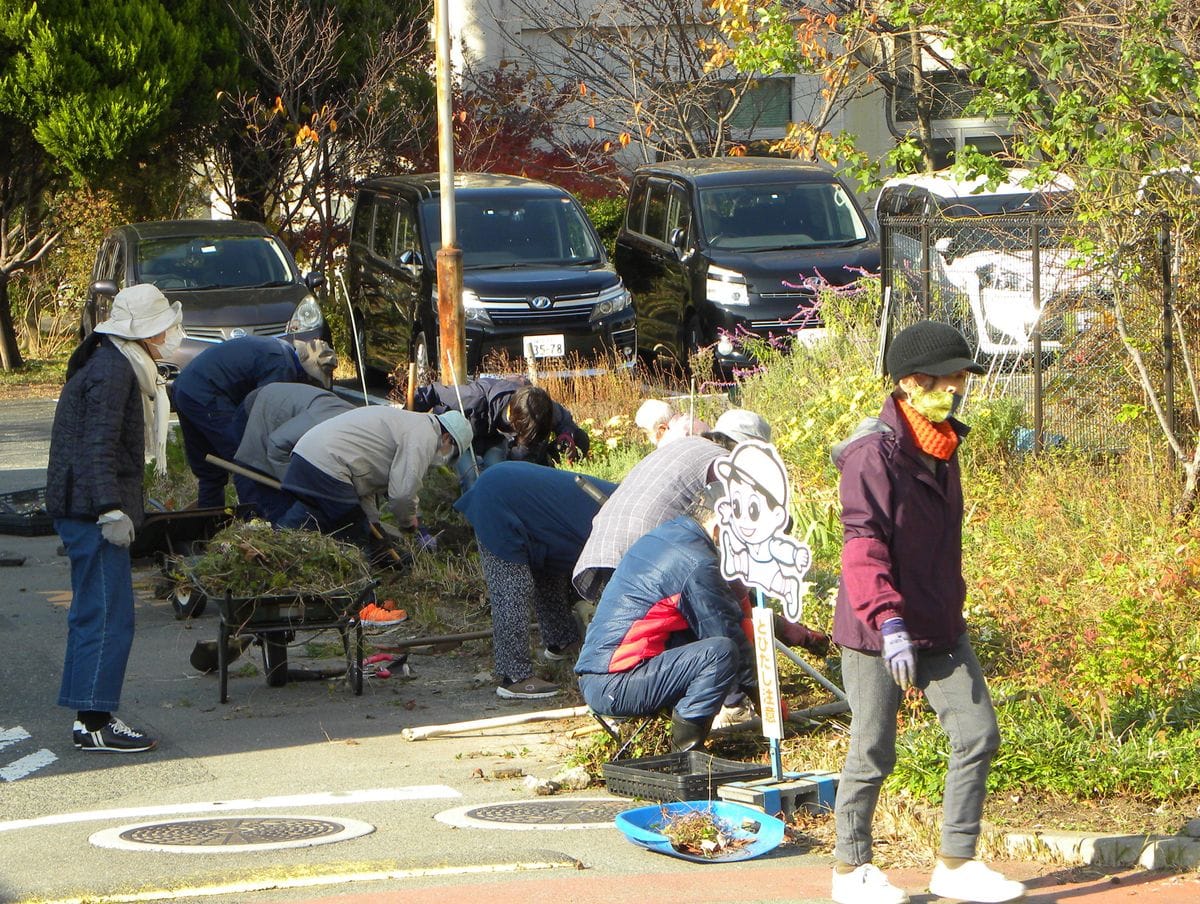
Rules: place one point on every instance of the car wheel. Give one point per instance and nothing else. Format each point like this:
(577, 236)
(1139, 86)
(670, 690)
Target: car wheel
(422, 356)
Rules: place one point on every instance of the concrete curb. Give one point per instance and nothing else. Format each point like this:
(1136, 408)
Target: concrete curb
(1177, 852)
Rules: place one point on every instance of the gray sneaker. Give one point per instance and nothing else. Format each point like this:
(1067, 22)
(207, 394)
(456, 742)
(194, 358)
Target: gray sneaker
(533, 688)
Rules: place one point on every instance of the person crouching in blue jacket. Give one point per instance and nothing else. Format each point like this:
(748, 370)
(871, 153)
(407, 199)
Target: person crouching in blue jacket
(209, 393)
(531, 522)
(668, 631)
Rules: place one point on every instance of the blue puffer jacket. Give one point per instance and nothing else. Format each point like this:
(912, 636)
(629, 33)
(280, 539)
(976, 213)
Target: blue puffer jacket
(221, 377)
(666, 591)
(97, 443)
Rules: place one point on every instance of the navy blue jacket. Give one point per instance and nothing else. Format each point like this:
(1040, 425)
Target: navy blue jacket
(485, 406)
(666, 591)
(220, 377)
(97, 443)
(531, 515)
(902, 514)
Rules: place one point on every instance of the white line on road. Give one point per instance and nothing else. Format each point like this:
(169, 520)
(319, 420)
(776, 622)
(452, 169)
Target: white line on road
(320, 799)
(9, 736)
(26, 764)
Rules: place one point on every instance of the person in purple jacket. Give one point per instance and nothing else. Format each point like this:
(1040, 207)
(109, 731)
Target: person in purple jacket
(899, 617)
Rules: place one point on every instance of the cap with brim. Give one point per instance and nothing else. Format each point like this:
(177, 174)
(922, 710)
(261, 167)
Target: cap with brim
(741, 424)
(930, 347)
(140, 312)
(459, 429)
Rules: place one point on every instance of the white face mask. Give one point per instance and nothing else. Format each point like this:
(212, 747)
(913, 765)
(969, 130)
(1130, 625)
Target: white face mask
(172, 340)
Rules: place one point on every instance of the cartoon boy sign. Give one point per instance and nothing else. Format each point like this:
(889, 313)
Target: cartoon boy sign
(753, 515)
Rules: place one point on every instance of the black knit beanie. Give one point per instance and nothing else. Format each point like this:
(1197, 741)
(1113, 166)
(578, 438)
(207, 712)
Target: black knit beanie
(928, 347)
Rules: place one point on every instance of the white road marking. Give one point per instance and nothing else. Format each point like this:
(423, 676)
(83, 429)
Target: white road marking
(26, 764)
(10, 736)
(320, 799)
(316, 881)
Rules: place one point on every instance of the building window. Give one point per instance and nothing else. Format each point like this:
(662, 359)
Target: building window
(766, 104)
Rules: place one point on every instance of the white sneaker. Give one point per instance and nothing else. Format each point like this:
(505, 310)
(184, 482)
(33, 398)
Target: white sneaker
(866, 885)
(973, 881)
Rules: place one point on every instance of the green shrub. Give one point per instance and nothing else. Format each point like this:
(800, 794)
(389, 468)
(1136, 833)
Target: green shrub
(606, 215)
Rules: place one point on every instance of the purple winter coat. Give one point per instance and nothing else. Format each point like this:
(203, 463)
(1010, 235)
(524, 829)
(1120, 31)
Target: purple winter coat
(902, 515)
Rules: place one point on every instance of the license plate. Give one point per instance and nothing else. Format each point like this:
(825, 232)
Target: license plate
(545, 346)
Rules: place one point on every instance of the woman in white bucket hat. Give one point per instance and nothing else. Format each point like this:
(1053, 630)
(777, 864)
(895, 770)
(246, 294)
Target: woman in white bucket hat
(110, 419)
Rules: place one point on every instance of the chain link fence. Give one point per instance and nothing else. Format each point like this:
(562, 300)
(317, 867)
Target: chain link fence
(1046, 319)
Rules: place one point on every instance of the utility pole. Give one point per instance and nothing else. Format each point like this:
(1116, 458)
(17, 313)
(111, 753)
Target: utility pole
(452, 341)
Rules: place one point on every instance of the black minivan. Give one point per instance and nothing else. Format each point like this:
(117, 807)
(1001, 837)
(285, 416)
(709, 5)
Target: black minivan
(536, 280)
(721, 247)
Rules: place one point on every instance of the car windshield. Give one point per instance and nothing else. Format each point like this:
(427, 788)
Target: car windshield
(212, 262)
(508, 231)
(780, 215)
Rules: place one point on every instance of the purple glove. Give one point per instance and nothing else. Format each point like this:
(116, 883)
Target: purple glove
(425, 540)
(564, 445)
(899, 652)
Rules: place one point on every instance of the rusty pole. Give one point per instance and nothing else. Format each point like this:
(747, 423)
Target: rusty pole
(452, 339)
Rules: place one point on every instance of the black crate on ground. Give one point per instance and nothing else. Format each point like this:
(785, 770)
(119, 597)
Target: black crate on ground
(24, 513)
(693, 775)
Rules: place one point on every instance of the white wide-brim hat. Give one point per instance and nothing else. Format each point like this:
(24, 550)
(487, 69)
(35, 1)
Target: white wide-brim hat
(140, 312)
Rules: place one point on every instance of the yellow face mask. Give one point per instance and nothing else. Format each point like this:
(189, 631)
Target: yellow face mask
(934, 404)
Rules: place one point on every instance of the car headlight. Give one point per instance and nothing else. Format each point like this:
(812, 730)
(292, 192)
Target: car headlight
(307, 316)
(725, 287)
(1005, 280)
(474, 310)
(611, 301)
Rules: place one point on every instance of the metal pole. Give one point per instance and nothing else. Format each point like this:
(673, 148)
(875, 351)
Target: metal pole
(1036, 264)
(926, 268)
(1168, 303)
(452, 338)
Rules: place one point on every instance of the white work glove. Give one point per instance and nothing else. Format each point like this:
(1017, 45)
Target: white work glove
(899, 653)
(116, 527)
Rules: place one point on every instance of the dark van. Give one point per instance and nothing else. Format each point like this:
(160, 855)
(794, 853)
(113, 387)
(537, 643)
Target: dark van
(732, 245)
(536, 280)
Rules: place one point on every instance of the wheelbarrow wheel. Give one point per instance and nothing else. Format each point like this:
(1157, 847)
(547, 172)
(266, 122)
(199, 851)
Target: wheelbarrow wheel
(275, 660)
(188, 602)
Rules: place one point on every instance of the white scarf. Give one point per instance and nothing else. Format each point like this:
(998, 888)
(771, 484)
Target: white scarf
(156, 410)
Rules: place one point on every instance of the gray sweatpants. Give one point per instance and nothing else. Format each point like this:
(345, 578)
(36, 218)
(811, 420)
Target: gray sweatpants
(954, 686)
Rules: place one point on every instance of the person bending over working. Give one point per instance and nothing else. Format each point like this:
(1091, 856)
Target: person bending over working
(899, 617)
(531, 522)
(512, 420)
(209, 393)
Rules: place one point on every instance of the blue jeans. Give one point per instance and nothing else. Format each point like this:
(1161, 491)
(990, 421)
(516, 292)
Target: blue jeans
(100, 623)
(469, 466)
(693, 679)
(321, 502)
(953, 683)
(208, 428)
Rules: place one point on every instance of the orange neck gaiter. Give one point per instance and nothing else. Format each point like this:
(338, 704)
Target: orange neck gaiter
(938, 440)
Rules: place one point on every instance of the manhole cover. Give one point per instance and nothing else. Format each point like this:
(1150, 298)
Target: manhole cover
(224, 834)
(566, 813)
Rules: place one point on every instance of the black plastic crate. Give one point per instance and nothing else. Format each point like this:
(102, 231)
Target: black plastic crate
(24, 513)
(693, 775)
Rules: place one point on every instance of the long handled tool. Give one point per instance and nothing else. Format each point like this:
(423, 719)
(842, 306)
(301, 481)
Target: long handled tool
(259, 477)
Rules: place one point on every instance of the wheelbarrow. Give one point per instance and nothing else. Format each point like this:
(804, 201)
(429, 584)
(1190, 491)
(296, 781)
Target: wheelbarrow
(274, 620)
(168, 534)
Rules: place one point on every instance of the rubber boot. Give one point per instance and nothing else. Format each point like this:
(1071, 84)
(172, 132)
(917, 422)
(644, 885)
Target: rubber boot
(688, 735)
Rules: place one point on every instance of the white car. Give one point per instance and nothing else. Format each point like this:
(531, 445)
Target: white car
(981, 258)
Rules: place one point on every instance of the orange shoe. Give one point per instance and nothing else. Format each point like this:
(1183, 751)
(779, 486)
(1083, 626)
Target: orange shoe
(371, 614)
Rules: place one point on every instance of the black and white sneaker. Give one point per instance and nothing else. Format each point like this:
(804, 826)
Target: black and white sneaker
(115, 737)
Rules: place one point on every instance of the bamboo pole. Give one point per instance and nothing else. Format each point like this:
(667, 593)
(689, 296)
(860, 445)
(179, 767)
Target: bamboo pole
(422, 732)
